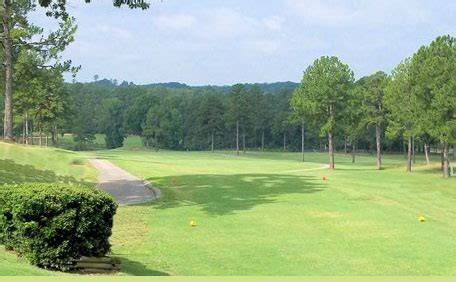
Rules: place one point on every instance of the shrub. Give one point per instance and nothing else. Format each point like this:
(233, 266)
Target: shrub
(51, 224)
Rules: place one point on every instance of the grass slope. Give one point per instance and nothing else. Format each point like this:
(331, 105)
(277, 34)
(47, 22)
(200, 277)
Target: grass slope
(20, 163)
(270, 214)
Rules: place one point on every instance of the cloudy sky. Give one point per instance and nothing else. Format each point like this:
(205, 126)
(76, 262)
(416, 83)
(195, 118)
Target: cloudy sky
(225, 42)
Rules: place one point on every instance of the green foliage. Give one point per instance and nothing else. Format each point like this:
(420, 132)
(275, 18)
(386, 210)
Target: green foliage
(405, 108)
(50, 224)
(372, 90)
(323, 92)
(433, 75)
(111, 121)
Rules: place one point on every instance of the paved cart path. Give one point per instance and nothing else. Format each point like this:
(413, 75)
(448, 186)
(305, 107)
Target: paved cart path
(122, 185)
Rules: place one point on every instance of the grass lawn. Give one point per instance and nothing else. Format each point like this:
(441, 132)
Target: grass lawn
(264, 213)
(270, 214)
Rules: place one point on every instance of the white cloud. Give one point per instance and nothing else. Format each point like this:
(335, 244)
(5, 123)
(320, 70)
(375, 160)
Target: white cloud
(115, 32)
(273, 23)
(263, 47)
(175, 22)
(358, 13)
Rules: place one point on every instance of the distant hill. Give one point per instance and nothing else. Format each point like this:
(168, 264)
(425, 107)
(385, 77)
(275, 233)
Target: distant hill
(266, 87)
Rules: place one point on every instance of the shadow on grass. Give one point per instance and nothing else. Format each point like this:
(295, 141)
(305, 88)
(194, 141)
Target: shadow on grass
(131, 267)
(12, 172)
(226, 194)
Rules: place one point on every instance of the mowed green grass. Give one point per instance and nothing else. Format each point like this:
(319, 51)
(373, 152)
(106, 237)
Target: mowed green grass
(263, 213)
(270, 214)
(19, 163)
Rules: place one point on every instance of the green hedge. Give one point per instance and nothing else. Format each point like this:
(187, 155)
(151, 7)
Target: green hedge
(50, 224)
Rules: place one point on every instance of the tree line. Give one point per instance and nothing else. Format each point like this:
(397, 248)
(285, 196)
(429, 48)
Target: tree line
(415, 103)
(411, 109)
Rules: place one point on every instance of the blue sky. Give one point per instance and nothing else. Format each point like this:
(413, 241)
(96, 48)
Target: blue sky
(225, 42)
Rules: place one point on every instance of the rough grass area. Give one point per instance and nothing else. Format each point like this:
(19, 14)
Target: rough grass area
(270, 214)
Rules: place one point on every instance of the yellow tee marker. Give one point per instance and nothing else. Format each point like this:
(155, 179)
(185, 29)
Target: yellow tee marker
(421, 219)
(193, 223)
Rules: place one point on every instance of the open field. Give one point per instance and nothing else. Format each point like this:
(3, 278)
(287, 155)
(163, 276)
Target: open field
(269, 214)
(266, 213)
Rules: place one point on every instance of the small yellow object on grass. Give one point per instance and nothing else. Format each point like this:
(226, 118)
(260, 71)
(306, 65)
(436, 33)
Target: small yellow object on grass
(192, 223)
(421, 219)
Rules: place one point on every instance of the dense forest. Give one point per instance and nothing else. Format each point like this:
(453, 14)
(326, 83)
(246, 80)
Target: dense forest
(180, 117)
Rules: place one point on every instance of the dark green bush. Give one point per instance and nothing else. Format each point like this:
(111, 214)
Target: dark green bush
(50, 224)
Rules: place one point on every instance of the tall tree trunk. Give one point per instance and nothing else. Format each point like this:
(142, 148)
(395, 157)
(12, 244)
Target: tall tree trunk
(212, 141)
(284, 142)
(302, 139)
(56, 136)
(7, 61)
(378, 136)
(46, 140)
(321, 145)
(243, 141)
(409, 155)
(426, 153)
(413, 149)
(353, 153)
(441, 157)
(331, 149)
(446, 161)
(23, 130)
(262, 140)
(32, 128)
(26, 129)
(237, 137)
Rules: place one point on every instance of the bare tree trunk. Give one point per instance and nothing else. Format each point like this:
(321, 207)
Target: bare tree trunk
(302, 139)
(243, 141)
(284, 142)
(56, 136)
(378, 136)
(262, 140)
(237, 137)
(321, 145)
(353, 153)
(446, 161)
(413, 149)
(212, 141)
(7, 62)
(441, 158)
(46, 140)
(26, 129)
(409, 155)
(23, 130)
(331, 150)
(32, 128)
(426, 153)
